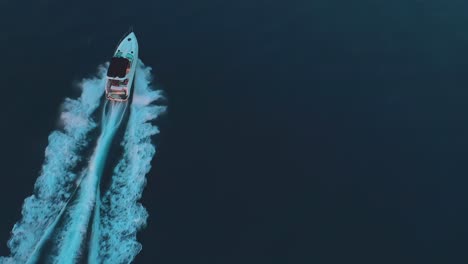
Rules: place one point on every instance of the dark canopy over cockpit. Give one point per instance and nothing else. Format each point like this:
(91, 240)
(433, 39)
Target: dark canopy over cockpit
(117, 67)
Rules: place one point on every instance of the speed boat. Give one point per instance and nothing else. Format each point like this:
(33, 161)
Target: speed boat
(122, 67)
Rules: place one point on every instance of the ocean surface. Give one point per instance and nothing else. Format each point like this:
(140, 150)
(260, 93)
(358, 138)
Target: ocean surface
(296, 131)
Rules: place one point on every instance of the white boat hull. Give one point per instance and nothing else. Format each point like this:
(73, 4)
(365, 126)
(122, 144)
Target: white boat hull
(121, 71)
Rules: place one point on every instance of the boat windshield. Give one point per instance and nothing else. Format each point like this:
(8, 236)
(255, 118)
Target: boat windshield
(118, 67)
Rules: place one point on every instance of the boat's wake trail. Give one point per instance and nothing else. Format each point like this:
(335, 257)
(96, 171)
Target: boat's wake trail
(121, 216)
(66, 211)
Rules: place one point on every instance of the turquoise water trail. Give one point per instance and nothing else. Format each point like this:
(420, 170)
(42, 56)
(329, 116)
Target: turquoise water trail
(67, 213)
(56, 182)
(121, 215)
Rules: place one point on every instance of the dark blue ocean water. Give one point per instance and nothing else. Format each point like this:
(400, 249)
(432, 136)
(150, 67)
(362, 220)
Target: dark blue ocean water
(297, 131)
